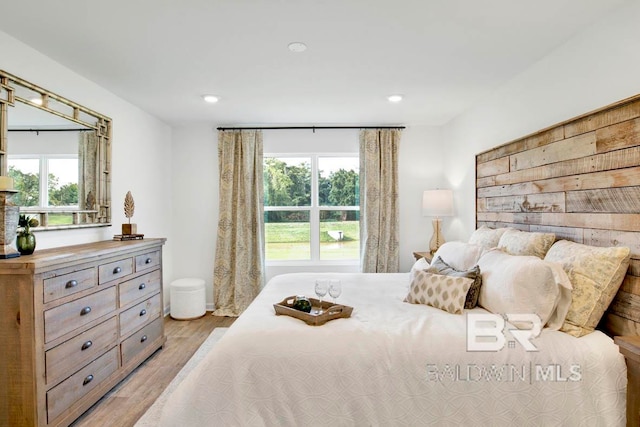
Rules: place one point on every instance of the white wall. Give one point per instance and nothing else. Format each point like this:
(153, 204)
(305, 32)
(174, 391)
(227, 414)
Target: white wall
(597, 67)
(195, 203)
(141, 150)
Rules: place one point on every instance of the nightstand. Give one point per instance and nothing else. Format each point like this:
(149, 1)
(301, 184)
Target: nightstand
(630, 349)
(425, 255)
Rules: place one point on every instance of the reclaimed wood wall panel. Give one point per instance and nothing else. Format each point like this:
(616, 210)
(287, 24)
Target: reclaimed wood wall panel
(566, 149)
(625, 199)
(548, 202)
(600, 162)
(621, 135)
(579, 179)
(624, 110)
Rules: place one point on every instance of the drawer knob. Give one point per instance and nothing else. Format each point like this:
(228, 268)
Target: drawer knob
(147, 261)
(143, 312)
(117, 270)
(142, 286)
(71, 284)
(143, 339)
(87, 379)
(85, 311)
(86, 345)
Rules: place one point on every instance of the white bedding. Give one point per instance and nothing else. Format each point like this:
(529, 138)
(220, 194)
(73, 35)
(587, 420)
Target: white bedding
(392, 363)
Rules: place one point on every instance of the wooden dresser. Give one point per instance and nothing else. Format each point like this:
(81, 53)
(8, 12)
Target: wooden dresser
(74, 321)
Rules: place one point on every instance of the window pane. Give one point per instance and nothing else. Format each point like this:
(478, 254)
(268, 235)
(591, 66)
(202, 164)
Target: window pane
(26, 179)
(60, 219)
(339, 235)
(287, 235)
(63, 182)
(287, 181)
(338, 181)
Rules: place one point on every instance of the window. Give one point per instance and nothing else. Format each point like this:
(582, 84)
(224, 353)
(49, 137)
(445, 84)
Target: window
(312, 207)
(46, 181)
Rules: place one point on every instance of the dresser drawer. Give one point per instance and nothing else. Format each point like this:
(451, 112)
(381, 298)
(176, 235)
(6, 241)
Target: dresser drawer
(140, 340)
(139, 314)
(114, 270)
(140, 287)
(147, 261)
(68, 284)
(63, 360)
(79, 384)
(75, 314)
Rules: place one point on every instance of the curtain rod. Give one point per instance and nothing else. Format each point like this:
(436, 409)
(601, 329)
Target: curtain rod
(309, 127)
(52, 130)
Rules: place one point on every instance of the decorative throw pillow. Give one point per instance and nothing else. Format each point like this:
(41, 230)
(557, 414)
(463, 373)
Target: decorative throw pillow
(438, 266)
(487, 237)
(447, 293)
(459, 255)
(596, 273)
(518, 284)
(516, 242)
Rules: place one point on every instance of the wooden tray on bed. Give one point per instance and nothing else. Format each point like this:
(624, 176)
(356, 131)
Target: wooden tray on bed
(330, 311)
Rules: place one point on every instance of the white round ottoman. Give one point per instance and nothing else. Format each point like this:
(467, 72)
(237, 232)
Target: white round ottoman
(187, 299)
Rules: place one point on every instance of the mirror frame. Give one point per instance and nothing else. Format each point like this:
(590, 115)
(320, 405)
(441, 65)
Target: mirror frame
(101, 215)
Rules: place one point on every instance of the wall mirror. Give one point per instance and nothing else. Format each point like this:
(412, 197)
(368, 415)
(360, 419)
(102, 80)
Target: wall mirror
(58, 154)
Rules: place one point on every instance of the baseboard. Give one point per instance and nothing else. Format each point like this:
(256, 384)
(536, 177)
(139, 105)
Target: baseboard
(167, 309)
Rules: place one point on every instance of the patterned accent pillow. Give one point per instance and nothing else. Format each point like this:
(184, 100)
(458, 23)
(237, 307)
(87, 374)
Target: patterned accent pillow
(447, 293)
(596, 273)
(487, 237)
(438, 266)
(516, 242)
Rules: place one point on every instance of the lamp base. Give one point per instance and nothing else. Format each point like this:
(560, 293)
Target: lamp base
(437, 239)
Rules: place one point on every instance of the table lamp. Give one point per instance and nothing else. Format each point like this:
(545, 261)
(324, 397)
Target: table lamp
(437, 203)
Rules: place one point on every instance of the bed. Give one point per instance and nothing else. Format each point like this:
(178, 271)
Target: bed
(391, 363)
(395, 363)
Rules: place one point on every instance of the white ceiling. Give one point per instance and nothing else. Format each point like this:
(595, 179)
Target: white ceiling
(162, 55)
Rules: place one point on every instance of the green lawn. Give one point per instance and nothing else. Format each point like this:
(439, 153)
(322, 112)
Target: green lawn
(290, 241)
(60, 219)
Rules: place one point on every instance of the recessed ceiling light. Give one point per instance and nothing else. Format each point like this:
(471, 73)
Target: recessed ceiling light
(36, 100)
(395, 98)
(211, 99)
(297, 47)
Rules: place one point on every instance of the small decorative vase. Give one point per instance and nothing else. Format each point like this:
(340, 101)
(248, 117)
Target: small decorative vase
(26, 243)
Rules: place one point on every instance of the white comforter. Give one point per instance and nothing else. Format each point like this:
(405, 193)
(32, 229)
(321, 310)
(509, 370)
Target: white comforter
(392, 363)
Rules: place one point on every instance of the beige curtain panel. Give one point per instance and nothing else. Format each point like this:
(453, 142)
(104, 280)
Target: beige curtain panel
(379, 200)
(239, 258)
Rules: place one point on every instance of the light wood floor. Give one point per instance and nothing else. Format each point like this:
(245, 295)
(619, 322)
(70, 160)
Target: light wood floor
(130, 399)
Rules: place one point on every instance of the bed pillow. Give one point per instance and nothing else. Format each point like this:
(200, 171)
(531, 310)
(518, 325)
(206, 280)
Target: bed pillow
(516, 242)
(487, 237)
(447, 293)
(518, 284)
(596, 273)
(419, 265)
(459, 255)
(438, 266)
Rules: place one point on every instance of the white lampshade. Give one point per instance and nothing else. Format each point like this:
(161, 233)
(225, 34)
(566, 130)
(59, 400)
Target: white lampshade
(437, 203)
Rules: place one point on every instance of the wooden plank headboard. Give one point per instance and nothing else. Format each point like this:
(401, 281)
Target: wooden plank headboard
(579, 179)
